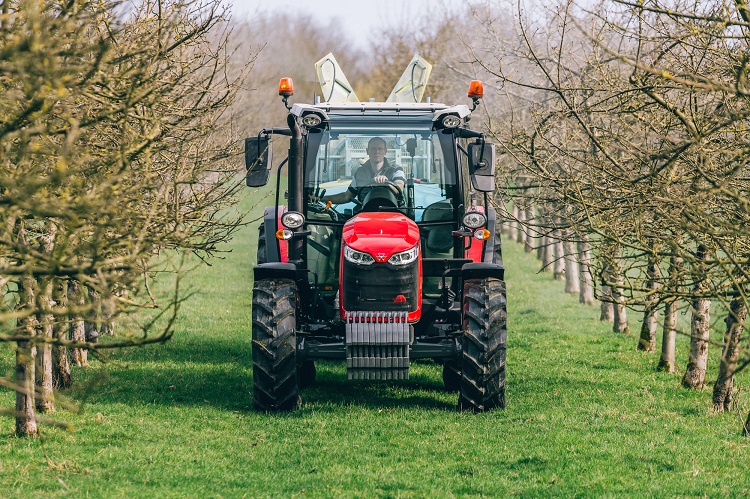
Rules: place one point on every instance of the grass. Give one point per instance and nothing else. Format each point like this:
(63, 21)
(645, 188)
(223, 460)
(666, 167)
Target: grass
(587, 415)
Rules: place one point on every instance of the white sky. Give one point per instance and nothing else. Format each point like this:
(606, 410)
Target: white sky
(359, 18)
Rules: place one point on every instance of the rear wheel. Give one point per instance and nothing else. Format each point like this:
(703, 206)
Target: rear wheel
(275, 383)
(307, 374)
(483, 342)
(451, 375)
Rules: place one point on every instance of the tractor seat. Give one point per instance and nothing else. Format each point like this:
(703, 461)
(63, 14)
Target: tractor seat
(439, 239)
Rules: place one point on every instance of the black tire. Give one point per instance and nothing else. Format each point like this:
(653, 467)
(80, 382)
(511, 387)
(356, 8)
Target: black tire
(307, 373)
(451, 376)
(262, 258)
(275, 384)
(483, 342)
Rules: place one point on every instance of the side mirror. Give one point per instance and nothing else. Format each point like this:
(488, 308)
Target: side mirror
(482, 166)
(257, 160)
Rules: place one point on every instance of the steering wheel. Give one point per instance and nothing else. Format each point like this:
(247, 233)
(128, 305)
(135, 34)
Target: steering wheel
(321, 207)
(397, 190)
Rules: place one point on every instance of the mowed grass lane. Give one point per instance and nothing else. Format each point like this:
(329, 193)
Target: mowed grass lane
(586, 415)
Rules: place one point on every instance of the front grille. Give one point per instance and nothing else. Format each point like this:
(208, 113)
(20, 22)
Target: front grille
(374, 287)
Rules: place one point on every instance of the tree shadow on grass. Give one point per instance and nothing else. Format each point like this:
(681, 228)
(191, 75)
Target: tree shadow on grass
(208, 371)
(218, 373)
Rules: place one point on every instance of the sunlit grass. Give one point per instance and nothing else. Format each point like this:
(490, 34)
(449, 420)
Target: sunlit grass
(586, 415)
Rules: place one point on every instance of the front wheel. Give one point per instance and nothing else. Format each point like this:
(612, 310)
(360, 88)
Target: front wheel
(275, 383)
(483, 342)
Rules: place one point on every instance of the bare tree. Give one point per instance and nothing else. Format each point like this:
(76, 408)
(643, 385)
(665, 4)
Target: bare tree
(117, 157)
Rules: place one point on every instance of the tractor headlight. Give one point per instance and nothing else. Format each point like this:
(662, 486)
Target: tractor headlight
(405, 257)
(311, 120)
(292, 219)
(474, 220)
(357, 257)
(451, 121)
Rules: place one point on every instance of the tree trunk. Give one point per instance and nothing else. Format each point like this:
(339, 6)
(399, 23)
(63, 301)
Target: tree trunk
(620, 324)
(521, 227)
(586, 295)
(26, 425)
(530, 239)
(724, 387)
(621, 316)
(667, 360)
(608, 306)
(695, 374)
(44, 399)
(650, 324)
(61, 376)
(77, 323)
(548, 259)
(95, 318)
(541, 247)
(513, 223)
(558, 271)
(572, 284)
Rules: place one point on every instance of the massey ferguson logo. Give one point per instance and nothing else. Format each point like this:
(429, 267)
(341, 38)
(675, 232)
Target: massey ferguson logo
(380, 257)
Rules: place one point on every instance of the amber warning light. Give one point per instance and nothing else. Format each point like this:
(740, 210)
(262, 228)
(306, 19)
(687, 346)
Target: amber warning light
(476, 89)
(286, 87)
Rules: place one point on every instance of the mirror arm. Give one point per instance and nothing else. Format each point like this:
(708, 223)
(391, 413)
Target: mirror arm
(465, 133)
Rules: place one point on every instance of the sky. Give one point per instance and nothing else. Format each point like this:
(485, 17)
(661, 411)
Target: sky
(359, 18)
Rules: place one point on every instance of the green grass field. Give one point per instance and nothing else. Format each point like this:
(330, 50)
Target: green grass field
(587, 415)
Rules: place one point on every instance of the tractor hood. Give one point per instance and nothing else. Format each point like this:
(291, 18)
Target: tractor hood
(381, 234)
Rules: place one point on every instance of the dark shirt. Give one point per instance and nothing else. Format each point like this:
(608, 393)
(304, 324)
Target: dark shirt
(364, 176)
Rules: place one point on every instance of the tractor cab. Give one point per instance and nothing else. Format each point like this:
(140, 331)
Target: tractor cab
(386, 242)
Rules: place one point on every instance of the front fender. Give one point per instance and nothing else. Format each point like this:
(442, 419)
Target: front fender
(275, 270)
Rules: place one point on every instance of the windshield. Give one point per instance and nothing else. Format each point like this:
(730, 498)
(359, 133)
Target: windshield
(348, 166)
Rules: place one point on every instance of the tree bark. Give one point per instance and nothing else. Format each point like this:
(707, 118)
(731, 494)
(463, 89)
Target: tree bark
(621, 315)
(724, 386)
(558, 272)
(572, 283)
(650, 324)
(77, 324)
(586, 295)
(44, 399)
(61, 376)
(608, 306)
(521, 227)
(695, 374)
(530, 238)
(513, 223)
(669, 336)
(26, 425)
(548, 260)
(541, 247)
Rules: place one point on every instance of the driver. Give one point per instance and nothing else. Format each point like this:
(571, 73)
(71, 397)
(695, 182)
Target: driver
(376, 170)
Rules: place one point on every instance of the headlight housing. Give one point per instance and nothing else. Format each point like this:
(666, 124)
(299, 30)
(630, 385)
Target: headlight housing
(292, 219)
(311, 120)
(474, 220)
(405, 257)
(358, 257)
(451, 121)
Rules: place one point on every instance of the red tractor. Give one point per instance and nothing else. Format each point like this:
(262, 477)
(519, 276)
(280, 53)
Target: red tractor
(394, 271)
